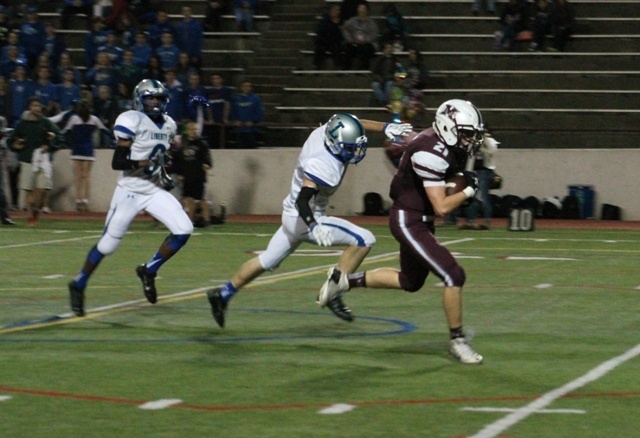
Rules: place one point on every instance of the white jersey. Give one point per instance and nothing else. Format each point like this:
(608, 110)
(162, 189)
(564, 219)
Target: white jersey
(149, 140)
(318, 164)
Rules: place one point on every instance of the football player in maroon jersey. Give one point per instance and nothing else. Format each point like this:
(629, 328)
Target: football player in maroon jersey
(418, 194)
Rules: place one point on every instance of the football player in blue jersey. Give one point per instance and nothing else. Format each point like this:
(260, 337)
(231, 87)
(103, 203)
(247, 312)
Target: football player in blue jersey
(143, 136)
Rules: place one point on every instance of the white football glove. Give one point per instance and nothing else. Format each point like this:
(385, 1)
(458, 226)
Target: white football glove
(393, 130)
(322, 235)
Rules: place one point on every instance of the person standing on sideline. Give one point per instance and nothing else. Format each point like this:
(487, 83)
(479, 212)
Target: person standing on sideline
(143, 134)
(82, 125)
(4, 206)
(321, 166)
(418, 194)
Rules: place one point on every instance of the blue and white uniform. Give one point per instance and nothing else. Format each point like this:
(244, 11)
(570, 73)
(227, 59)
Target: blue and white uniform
(317, 163)
(83, 147)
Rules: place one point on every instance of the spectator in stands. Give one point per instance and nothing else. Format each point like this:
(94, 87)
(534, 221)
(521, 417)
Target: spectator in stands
(383, 70)
(13, 40)
(105, 107)
(185, 67)
(540, 25)
(75, 7)
(68, 91)
(102, 8)
(5, 99)
(213, 14)
(81, 126)
(168, 52)
(20, 89)
(513, 20)
(102, 73)
(247, 113)
(124, 97)
(46, 92)
(5, 25)
(154, 69)
(244, 10)
(219, 97)
(10, 62)
(66, 63)
(97, 37)
(34, 139)
(350, 8)
(195, 113)
(112, 48)
(417, 72)
(361, 36)
(177, 102)
(562, 21)
(395, 28)
(54, 45)
(190, 37)
(126, 29)
(32, 36)
(141, 50)
(128, 71)
(477, 6)
(329, 39)
(161, 26)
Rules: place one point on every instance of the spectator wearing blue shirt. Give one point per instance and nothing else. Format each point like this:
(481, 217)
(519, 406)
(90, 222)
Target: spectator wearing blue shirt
(112, 49)
(68, 92)
(195, 113)
(32, 36)
(190, 35)
(8, 65)
(161, 26)
(244, 11)
(168, 52)
(20, 90)
(219, 97)
(247, 113)
(177, 104)
(141, 50)
(75, 7)
(46, 92)
(64, 64)
(102, 73)
(54, 45)
(94, 39)
(13, 40)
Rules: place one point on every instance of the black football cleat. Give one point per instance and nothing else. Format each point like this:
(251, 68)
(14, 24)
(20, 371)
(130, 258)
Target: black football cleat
(340, 309)
(148, 283)
(76, 298)
(218, 305)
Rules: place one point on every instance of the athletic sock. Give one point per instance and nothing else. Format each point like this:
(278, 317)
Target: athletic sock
(228, 290)
(357, 279)
(455, 333)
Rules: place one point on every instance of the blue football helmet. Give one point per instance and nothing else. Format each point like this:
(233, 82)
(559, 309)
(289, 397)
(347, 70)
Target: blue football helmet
(150, 88)
(345, 137)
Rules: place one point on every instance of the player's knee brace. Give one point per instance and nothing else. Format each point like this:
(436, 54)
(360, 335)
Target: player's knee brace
(108, 244)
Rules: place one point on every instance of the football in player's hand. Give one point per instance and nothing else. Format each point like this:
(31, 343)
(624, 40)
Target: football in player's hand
(396, 147)
(455, 184)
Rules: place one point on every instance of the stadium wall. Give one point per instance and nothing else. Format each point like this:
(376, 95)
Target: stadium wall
(256, 181)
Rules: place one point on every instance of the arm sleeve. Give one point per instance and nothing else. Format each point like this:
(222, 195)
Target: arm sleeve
(121, 159)
(303, 207)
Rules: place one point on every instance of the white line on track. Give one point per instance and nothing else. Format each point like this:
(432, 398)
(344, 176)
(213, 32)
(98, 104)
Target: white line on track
(498, 427)
(541, 411)
(46, 242)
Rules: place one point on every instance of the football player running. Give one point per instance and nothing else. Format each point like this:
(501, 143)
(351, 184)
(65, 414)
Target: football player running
(320, 169)
(418, 194)
(143, 137)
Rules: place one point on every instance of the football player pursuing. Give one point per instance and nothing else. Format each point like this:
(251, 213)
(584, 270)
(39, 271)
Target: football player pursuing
(418, 194)
(143, 135)
(320, 169)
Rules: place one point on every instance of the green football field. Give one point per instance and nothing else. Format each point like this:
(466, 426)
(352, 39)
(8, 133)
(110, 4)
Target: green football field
(554, 312)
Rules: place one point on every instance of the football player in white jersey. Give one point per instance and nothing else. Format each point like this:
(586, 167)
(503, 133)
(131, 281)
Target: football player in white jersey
(321, 166)
(143, 137)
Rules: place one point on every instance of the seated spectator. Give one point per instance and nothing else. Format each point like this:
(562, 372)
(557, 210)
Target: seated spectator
(219, 97)
(161, 26)
(168, 52)
(247, 113)
(561, 21)
(141, 50)
(213, 14)
(244, 11)
(75, 7)
(360, 34)
(54, 45)
(395, 28)
(540, 25)
(417, 72)
(383, 70)
(189, 36)
(513, 19)
(329, 39)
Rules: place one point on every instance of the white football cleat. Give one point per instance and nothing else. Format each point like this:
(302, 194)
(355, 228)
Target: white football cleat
(337, 283)
(459, 348)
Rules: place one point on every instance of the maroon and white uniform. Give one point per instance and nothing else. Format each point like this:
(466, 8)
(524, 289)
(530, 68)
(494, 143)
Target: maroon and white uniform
(426, 162)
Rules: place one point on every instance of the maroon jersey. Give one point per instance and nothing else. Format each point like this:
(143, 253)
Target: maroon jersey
(426, 162)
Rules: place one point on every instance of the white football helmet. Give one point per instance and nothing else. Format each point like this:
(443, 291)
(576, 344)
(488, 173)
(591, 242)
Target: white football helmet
(344, 136)
(147, 88)
(458, 123)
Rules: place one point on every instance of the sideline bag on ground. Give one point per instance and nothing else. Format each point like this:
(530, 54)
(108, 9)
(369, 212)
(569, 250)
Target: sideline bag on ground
(373, 205)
